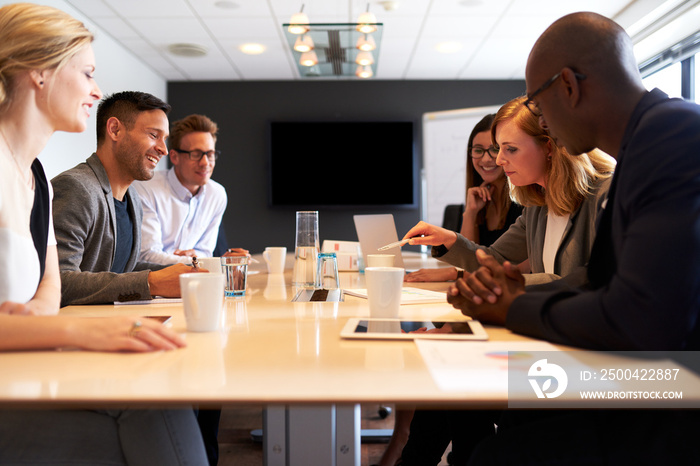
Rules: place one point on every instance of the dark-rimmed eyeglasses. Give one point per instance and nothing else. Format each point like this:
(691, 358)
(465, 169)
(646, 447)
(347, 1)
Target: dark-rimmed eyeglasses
(478, 152)
(196, 155)
(532, 106)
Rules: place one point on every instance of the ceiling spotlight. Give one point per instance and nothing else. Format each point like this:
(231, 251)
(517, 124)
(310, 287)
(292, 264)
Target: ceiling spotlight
(364, 72)
(308, 59)
(187, 50)
(366, 43)
(304, 43)
(252, 49)
(299, 24)
(364, 58)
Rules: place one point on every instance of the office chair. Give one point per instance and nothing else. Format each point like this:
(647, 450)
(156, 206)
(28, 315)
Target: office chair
(452, 217)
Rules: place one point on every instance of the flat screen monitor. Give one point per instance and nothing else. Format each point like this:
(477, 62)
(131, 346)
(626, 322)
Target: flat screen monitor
(342, 164)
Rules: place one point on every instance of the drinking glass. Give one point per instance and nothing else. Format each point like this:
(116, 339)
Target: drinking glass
(306, 250)
(236, 271)
(327, 272)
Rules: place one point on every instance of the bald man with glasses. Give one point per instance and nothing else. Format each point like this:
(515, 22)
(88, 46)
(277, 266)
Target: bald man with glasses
(642, 287)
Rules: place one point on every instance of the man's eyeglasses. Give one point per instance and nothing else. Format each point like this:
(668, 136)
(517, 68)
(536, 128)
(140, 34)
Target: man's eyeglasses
(532, 106)
(478, 152)
(196, 155)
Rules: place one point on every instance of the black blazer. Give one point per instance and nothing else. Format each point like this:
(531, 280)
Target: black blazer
(644, 272)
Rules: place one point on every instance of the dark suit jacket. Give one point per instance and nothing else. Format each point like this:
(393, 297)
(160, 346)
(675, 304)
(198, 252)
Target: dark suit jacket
(644, 271)
(86, 231)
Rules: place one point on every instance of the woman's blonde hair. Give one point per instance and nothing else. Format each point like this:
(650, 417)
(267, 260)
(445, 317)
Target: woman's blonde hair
(36, 37)
(569, 177)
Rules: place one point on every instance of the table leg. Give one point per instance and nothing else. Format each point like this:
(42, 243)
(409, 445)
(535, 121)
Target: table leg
(302, 435)
(275, 436)
(347, 435)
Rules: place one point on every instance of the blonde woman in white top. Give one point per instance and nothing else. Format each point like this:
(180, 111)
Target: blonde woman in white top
(46, 85)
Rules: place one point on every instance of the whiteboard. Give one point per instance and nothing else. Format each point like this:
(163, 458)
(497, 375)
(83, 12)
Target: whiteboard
(445, 137)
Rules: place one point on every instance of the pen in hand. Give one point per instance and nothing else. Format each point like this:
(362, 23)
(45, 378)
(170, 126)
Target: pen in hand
(195, 263)
(395, 244)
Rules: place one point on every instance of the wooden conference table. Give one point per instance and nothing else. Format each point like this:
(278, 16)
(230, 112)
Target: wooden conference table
(285, 355)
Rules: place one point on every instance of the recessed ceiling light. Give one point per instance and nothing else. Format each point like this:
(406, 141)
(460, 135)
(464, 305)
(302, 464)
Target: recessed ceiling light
(448, 47)
(225, 5)
(187, 50)
(471, 2)
(252, 49)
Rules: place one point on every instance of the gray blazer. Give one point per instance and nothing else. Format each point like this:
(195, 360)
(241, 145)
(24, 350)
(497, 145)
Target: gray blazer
(525, 239)
(85, 224)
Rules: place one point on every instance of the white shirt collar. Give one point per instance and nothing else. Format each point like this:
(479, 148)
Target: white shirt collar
(179, 189)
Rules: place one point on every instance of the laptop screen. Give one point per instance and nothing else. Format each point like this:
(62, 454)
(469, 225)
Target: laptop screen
(375, 231)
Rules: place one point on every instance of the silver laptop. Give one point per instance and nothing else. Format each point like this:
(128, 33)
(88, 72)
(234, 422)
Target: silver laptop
(375, 231)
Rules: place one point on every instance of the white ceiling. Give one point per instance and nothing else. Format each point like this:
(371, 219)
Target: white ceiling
(495, 35)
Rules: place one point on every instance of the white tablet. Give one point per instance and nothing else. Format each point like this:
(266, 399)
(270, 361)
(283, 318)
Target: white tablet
(400, 329)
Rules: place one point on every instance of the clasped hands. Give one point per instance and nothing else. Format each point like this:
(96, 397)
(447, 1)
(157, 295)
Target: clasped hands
(487, 293)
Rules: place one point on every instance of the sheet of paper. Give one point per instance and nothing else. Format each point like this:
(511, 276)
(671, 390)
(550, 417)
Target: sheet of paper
(149, 301)
(409, 295)
(473, 366)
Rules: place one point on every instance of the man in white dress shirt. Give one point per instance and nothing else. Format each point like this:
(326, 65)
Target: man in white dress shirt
(183, 207)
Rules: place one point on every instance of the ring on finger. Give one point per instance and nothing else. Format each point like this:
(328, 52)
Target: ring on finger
(135, 329)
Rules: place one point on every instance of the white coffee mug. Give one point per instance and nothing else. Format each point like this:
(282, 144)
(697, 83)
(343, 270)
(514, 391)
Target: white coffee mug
(380, 260)
(202, 299)
(212, 264)
(275, 258)
(384, 286)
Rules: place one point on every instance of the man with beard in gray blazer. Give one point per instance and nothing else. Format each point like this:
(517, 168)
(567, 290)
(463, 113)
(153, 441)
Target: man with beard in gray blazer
(97, 214)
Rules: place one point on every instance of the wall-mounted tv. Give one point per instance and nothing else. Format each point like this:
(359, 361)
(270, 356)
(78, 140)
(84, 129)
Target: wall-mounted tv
(358, 164)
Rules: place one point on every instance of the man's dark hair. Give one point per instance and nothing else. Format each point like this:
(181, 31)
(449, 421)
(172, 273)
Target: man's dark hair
(125, 106)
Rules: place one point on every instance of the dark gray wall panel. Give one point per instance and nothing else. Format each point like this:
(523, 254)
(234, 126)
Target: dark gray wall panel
(243, 110)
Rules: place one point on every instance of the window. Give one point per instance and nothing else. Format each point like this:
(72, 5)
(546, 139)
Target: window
(667, 79)
(675, 70)
(697, 79)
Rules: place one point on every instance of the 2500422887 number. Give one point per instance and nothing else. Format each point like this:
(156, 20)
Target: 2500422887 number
(639, 374)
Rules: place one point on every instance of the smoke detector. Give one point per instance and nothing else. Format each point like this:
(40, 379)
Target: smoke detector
(389, 5)
(187, 50)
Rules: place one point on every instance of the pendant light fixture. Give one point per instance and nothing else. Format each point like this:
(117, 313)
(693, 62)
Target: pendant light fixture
(304, 43)
(364, 59)
(308, 59)
(299, 23)
(334, 50)
(364, 72)
(366, 43)
(367, 22)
